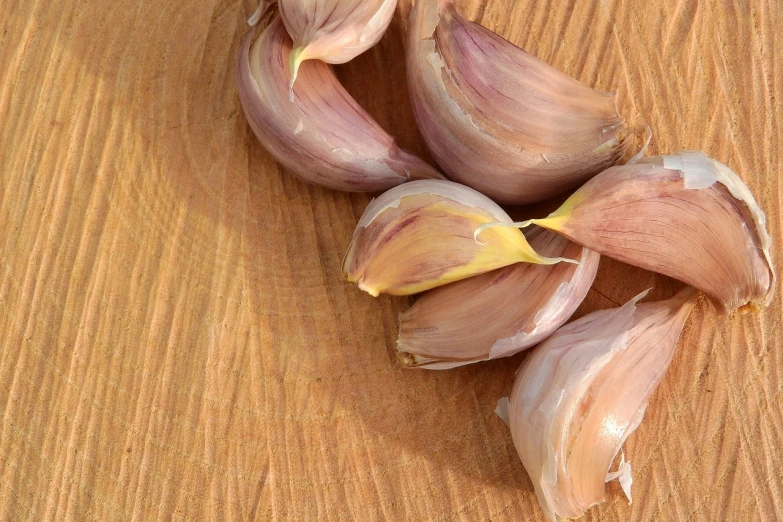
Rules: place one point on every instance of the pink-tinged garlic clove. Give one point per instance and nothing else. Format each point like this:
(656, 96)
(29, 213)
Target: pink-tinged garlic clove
(323, 136)
(499, 313)
(687, 216)
(582, 392)
(497, 118)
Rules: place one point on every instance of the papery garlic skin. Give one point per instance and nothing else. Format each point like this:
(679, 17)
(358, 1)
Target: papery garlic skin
(499, 313)
(699, 171)
(497, 118)
(334, 31)
(687, 216)
(323, 136)
(264, 7)
(583, 391)
(424, 234)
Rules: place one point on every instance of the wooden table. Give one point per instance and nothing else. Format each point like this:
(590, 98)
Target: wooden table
(177, 340)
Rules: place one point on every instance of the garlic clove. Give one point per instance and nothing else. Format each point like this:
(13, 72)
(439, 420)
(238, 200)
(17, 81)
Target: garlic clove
(424, 234)
(334, 31)
(497, 118)
(499, 313)
(583, 391)
(323, 136)
(687, 216)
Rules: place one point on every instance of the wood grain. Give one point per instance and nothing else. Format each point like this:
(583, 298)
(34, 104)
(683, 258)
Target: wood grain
(177, 340)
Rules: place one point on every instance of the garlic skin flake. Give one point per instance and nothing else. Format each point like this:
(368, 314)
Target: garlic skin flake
(497, 118)
(323, 136)
(424, 234)
(499, 313)
(687, 216)
(334, 31)
(583, 391)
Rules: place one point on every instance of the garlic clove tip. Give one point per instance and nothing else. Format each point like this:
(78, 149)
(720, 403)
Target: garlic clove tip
(370, 290)
(295, 59)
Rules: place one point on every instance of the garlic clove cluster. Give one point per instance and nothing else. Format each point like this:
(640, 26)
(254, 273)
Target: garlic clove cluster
(582, 392)
(687, 216)
(499, 313)
(516, 130)
(424, 234)
(323, 136)
(334, 31)
(497, 118)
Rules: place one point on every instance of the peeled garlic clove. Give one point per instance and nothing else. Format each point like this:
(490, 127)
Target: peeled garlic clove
(583, 391)
(499, 313)
(686, 216)
(334, 31)
(425, 234)
(323, 136)
(497, 118)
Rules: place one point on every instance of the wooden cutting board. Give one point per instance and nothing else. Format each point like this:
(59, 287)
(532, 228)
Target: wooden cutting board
(176, 337)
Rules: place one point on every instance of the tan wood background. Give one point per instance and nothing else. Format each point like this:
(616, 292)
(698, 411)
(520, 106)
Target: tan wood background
(176, 339)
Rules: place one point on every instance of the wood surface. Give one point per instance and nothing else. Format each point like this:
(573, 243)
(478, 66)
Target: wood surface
(176, 339)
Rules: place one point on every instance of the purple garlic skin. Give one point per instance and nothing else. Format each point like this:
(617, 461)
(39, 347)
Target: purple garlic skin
(686, 216)
(497, 118)
(322, 136)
